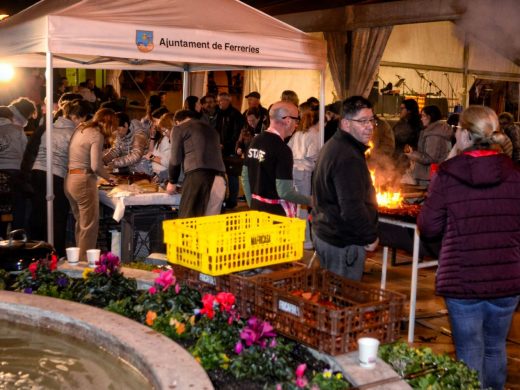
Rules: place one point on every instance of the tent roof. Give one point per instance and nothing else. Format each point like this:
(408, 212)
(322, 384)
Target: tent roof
(195, 35)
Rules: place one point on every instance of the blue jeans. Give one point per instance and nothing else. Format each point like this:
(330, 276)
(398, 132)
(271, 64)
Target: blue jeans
(348, 261)
(479, 328)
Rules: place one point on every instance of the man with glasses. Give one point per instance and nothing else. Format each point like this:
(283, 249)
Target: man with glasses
(345, 212)
(268, 166)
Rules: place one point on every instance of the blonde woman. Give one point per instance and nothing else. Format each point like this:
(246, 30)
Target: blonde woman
(305, 146)
(474, 203)
(160, 155)
(85, 164)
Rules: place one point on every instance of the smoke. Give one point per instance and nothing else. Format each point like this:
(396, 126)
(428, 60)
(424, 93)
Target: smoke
(387, 175)
(495, 23)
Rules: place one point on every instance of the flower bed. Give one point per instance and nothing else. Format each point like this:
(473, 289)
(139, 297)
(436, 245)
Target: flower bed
(236, 353)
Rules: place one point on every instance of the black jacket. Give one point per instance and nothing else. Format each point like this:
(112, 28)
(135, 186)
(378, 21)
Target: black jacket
(345, 210)
(229, 123)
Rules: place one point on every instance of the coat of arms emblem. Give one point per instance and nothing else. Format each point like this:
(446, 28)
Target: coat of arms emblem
(144, 40)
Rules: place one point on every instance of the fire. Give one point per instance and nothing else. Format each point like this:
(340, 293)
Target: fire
(370, 147)
(386, 198)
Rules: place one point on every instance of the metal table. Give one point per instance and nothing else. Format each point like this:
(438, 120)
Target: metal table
(415, 268)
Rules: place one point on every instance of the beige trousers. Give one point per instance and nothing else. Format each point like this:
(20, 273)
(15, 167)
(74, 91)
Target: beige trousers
(216, 197)
(82, 192)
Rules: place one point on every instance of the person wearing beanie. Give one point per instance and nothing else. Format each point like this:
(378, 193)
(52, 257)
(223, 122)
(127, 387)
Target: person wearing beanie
(12, 146)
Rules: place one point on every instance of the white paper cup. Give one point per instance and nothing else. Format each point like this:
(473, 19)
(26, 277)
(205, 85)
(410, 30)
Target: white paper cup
(93, 256)
(368, 351)
(72, 255)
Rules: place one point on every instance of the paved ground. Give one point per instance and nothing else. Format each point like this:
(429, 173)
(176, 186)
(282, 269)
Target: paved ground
(432, 325)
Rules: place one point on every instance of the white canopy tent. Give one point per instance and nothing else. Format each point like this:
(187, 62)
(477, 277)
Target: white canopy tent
(436, 50)
(173, 35)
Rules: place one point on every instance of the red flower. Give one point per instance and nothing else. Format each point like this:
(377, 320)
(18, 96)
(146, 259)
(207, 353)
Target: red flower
(54, 262)
(33, 267)
(226, 301)
(208, 301)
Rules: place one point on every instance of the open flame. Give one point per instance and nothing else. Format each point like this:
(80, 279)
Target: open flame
(370, 147)
(387, 199)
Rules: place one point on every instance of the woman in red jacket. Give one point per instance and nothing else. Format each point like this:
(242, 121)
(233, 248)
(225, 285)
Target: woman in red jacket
(474, 203)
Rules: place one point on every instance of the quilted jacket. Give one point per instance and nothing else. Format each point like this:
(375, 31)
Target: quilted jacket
(474, 203)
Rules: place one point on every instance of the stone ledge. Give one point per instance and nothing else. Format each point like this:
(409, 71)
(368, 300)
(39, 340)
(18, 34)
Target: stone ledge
(162, 361)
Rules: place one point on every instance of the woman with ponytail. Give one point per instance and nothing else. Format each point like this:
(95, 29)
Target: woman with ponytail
(474, 204)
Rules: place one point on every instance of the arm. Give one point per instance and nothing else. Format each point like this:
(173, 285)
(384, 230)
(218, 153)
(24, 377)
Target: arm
(162, 153)
(113, 153)
(285, 189)
(139, 149)
(31, 149)
(356, 200)
(245, 185)
(435, 151)
(96, 151)
(176, 157)
(434, 213)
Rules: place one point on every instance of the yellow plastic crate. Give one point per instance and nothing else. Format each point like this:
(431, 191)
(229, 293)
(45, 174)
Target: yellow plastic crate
(222, 244)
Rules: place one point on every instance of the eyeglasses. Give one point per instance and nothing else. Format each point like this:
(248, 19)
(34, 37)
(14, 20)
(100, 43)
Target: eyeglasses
(364, 122)
(294, 118)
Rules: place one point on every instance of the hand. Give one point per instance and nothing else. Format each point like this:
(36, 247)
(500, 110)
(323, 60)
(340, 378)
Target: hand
(372, 247)
(171, 188)
(239, 152)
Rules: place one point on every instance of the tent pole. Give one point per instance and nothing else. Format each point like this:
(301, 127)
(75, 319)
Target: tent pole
(48, 145)
(322, 107)
(185, 84)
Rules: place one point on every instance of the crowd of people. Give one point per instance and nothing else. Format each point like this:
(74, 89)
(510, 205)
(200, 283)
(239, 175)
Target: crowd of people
(469, 164)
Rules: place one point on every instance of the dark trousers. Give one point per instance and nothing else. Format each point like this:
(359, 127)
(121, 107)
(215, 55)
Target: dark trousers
(38, 230)
(15, 199)
(233, 188)
(196, 190)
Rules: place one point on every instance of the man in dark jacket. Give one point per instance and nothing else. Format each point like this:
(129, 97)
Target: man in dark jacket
(345, 213)
(196, 146)
(229, 124)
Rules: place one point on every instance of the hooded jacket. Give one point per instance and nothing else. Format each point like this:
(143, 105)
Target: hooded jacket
(12, 144)
(62, 132)
(129, 150)
(433, 148)
(474, 203)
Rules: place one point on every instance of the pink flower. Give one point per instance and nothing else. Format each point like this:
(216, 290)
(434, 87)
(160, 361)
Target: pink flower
(300, 370)
(152, 290)
(301, 381)
(108, 263)
(238, 348)
(177, 288)
(257, 332)
(278, 386)
(165, 279)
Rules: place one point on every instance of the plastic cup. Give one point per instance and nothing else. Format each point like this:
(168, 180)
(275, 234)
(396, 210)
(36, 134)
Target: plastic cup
(368, 351)
(93, 256)
(72, 255)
